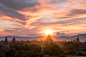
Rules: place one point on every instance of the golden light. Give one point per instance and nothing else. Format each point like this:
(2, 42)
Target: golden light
(48, 31)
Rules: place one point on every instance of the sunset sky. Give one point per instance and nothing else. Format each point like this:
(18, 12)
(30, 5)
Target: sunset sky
(33, 17)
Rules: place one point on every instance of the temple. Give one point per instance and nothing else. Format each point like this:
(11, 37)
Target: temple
(5, 47)
(6, 41)
(49, 40)
(13, 40)
(78, 39)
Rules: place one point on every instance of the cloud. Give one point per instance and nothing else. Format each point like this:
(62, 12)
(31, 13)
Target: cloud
(1, 30)
(63, 16)
(10, 12)
(19, 4)
(61, 34)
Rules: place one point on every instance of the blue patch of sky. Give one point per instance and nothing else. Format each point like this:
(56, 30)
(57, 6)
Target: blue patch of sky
(26, 1)
(4, 25)
(48, 18)
(57, 0)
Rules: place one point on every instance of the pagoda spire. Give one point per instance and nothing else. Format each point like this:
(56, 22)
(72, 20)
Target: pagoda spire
(48, 36)
(49, 40)
(13, 40)
(6, 41)
(78, 39)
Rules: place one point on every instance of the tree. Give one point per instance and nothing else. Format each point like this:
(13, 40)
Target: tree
(21, 53)
(16, 46)
(70, 46)
(33, 55)
(71, 52)
(11, 53)
(0, 46)
(41, 54)
(2, 56)
(80, 53)
(35, 48)
(53, 50)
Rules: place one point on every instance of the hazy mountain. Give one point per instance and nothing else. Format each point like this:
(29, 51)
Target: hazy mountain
(82, 37)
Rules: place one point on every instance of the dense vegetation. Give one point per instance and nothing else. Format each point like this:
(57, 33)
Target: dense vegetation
(33, 51)
(69, 48)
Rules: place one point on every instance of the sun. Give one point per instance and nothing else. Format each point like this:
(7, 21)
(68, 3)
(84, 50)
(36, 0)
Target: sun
(48, 31)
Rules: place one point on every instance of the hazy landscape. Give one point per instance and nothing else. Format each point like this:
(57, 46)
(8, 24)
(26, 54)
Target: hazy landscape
(59, 38)
(42, 28)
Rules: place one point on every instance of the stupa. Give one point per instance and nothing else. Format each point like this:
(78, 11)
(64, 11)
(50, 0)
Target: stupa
(13, 40)
(5, 47)
(78, 39)
(49, 40)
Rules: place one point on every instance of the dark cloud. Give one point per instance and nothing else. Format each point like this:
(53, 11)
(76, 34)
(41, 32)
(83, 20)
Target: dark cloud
(19, 4)
(77, 12)
(61, 34)
(20, 30)
(11, 13)
(23, 23)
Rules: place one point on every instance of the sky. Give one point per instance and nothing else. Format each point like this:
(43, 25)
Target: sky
(33, 17)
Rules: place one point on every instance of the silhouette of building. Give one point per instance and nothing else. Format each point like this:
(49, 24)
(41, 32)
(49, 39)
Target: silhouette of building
(78, 39)
(49, 40)
(13, 40)
(5, 47)
(27, 40)
(6, 41)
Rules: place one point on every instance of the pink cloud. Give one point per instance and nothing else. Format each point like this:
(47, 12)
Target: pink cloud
(63, 12)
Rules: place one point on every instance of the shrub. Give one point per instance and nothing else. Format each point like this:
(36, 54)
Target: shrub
(80, 53)
(41, 54)
(21, 53)
(2, 56)
(61, 56)
(33, 55)
(53, 50)
(71, 52)
(11, 52)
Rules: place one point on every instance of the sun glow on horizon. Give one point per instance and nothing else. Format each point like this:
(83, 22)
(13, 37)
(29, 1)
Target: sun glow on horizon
(48, 32)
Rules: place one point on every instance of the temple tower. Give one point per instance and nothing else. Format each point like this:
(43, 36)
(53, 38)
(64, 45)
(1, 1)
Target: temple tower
(78, 39)
(6, 41)
(5, 47)
(13, 40)
(49, 40)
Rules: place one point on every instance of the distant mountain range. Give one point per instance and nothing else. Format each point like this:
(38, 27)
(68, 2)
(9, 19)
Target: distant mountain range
(82, 37)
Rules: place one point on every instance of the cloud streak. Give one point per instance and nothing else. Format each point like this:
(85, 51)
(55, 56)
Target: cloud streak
(63, 16)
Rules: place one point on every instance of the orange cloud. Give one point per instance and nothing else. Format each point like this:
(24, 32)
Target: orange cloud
(66, 15)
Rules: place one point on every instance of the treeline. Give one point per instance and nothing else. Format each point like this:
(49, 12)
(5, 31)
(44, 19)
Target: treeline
(33, 51)
(74, 48)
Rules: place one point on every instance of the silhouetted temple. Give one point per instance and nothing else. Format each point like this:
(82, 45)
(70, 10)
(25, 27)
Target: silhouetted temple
(6, 41)
(13, 40)
(49, 40)
(5, 47)
(78, 39)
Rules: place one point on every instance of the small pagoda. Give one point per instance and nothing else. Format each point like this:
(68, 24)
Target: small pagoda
(13, 40)
(49, 40)
(78, 39)
(5, 47)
